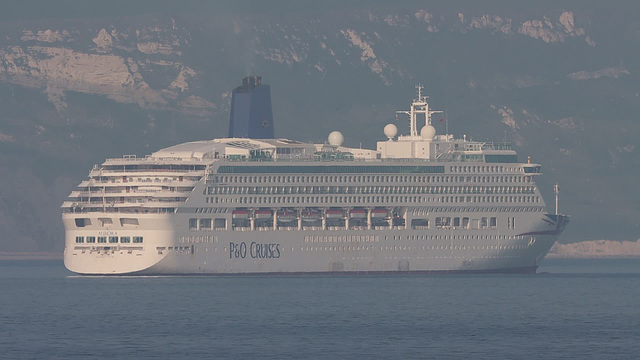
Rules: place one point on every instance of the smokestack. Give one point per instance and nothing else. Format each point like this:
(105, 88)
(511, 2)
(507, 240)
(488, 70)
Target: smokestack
(251, 114)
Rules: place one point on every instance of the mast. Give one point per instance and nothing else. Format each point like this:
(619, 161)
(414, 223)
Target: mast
(418, 106)
(556, 190)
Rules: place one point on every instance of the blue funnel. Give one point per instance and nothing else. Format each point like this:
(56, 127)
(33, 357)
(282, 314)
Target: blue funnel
(251, 115)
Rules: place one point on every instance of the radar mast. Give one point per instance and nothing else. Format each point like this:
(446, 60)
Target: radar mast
(418, 106)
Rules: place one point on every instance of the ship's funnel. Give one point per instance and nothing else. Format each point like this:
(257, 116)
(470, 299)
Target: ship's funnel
(251, 114)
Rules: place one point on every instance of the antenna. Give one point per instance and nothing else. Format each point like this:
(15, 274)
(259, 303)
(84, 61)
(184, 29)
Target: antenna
(556, 190)
(418, 106)
(446, 121)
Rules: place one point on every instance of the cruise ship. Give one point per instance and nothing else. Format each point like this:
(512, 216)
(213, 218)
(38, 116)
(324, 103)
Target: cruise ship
(418, 203)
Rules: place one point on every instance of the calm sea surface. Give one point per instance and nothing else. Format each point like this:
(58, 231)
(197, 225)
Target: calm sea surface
(571, 309)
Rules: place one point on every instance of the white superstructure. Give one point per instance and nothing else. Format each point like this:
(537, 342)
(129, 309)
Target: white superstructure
(422, 202)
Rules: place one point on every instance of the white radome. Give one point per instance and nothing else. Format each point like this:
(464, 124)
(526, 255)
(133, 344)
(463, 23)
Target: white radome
(428, 132)
(390, 131)
(336, 138)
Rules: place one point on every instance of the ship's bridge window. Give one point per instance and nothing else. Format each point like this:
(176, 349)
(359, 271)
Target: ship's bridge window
(82, 222)
(105, 221)
(129, 222)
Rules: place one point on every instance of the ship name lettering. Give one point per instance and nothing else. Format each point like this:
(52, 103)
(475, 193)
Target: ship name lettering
(264, 251)
(256, 250)
(237, 251)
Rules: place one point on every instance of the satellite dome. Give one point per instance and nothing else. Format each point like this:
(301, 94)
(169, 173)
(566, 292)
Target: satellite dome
(336, 138)
(428, 132)
(390, 131)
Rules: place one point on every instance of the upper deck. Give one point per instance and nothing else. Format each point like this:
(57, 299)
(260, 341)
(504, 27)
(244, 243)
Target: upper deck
(168, 177)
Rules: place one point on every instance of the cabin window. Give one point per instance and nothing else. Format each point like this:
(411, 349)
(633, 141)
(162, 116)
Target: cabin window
(113, 239)
(137, 239)
(443, 222)
(79, 239)
(205, 224)
(420, 224)
(125, 239)
(102, 239)
(91, 239)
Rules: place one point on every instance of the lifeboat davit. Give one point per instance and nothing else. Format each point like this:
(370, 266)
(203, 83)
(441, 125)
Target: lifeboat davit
(379, 213)
(262, 214)
(310, 215)
(358, 213)
(286, 215)
(240, 214)
(334, 214)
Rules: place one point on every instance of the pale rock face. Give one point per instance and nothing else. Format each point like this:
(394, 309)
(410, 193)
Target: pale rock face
(103, 41)
(507, 117)
(6, 138)
(368, 56)
(427, 17)
(283, 56)
(48, 36)
(56, 97)
(565, 123)
(542, 30)
(61, 68)
(395, 20)
(181, 82)
(423, 15)
(154, 48)
(566, 19)
(355, 39)
(494, 22)
(613, 72)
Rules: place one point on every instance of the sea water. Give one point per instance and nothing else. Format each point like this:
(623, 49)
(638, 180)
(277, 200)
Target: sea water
(571, 309)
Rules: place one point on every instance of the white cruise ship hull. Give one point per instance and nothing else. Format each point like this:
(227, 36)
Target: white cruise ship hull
(167, 249)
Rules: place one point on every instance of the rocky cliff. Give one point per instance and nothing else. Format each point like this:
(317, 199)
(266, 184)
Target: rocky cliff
(558, 82)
